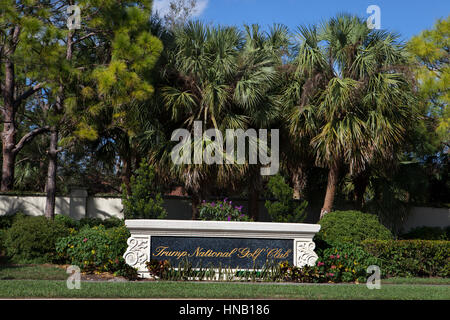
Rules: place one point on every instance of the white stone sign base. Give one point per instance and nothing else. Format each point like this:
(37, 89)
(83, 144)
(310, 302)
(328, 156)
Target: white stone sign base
(139, 244)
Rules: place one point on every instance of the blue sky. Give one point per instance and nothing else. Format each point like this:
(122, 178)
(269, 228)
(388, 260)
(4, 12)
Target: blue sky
(407, 17)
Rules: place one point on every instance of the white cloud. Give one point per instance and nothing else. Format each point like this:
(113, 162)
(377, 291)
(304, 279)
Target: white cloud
(162, 6)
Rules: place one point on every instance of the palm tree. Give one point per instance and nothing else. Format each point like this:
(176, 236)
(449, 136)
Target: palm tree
(263, 50)
(356, 85)
(217, 76)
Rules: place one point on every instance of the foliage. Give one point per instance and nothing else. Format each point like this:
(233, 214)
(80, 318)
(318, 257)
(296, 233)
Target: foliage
(32, 239)
(349, 96)
(285, 209)
(345, 262)
(141, 203)
(95, 249)
(6, 221)
(430, 50)
(352, 226)
(411, 258)
(2, 241)
(427, 233)
(90, 222)
(66, 220)
(107, 223)
(337, 263)
(158, 268)
(221, 211)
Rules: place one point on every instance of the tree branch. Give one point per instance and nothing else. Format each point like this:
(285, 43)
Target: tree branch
(28, 137)
(27, 94)
(85, 37)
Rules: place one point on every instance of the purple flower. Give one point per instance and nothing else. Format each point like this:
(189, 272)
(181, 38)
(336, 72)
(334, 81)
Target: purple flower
(225, 200)
(213, 204)
(229, 218)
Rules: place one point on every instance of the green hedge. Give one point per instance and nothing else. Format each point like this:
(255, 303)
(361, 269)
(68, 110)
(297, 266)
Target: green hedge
(32, 239)
(411, 258)
(352, 226)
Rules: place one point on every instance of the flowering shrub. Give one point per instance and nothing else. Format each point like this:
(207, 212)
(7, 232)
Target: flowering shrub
(338, 263)
(222, 211)
(345, 263)
(158, 268)
(95, 249)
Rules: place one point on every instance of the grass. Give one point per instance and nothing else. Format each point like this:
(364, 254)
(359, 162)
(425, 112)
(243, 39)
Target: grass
(58, 289)
(430, 281)
(32, 272)
(49, 281)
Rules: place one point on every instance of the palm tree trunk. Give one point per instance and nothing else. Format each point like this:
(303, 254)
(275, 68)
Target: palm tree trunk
(360, 182)
(255, 184)
(298, 183)
(333, 176)
(126, 173)
(253, 205)
(195, 203)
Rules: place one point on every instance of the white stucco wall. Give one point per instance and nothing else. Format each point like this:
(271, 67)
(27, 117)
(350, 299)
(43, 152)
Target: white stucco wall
(79, 205)
(426, 216)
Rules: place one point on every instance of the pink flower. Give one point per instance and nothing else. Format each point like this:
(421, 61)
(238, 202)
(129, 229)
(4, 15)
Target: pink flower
(320, 263)
(331, 274)
(338, 256)
(332, 257)
(85, 239)
(333, 267)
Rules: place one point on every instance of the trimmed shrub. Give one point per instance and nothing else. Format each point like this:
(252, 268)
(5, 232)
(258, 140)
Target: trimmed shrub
(411, 258)
(221, 211)
(32, 239)
(351, 226)
(285, 209)
(95, 249)
(428, 233)
(143, 202)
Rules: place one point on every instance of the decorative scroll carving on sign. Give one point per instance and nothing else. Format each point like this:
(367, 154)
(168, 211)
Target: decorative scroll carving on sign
(137, 252)
(305, 255)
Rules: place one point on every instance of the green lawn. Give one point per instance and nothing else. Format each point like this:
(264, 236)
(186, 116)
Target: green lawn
(49, 281)
(58, 289)
(32, 272)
